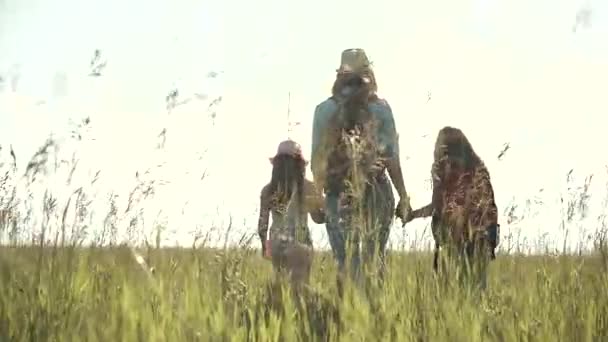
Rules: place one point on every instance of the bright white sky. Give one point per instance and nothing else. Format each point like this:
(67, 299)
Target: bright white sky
(502, 70)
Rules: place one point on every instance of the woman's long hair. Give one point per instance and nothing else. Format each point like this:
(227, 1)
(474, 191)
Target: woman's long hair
(287, 172)
(341, 78)
(354, 111)
(453, 151)
(352, 115)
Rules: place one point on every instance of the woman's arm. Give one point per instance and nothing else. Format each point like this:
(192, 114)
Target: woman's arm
(319, 149)
(389, 146)
(485, 202)
(484, 209)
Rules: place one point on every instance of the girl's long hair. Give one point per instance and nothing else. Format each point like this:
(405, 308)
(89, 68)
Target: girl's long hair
(454, 151)
(288, 174)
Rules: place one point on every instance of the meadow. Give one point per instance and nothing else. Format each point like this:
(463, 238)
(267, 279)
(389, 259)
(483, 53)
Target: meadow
(202, 294)
(67, 277)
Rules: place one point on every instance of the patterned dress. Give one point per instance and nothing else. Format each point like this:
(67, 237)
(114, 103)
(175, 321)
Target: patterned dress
(289, 223)
(290, 243)
(467, 207)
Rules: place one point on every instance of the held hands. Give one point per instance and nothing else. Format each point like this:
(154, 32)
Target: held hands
(404, 210)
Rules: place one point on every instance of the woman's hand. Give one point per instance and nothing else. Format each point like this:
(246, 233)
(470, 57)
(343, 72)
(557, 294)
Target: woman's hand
(404, 210)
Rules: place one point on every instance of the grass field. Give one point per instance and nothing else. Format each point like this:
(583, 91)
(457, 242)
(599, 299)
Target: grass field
(158, 294)
(71, 294)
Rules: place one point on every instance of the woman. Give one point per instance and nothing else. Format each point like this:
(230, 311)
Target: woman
(290, 197)
(355, 106)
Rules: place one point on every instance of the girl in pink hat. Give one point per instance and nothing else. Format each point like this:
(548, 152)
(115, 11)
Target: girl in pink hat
(290, 197)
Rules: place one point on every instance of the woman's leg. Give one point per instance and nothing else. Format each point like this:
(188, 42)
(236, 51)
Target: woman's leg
(379, 206)
(334, 231)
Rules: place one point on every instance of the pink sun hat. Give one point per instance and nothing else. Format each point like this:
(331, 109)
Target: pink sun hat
(289, 147)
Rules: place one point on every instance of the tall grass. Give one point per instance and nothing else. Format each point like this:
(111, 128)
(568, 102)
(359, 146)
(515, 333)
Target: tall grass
(54, 287)
(54, 293)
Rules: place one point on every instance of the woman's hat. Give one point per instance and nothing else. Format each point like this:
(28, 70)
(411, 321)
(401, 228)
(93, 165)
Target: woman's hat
(353, 60)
